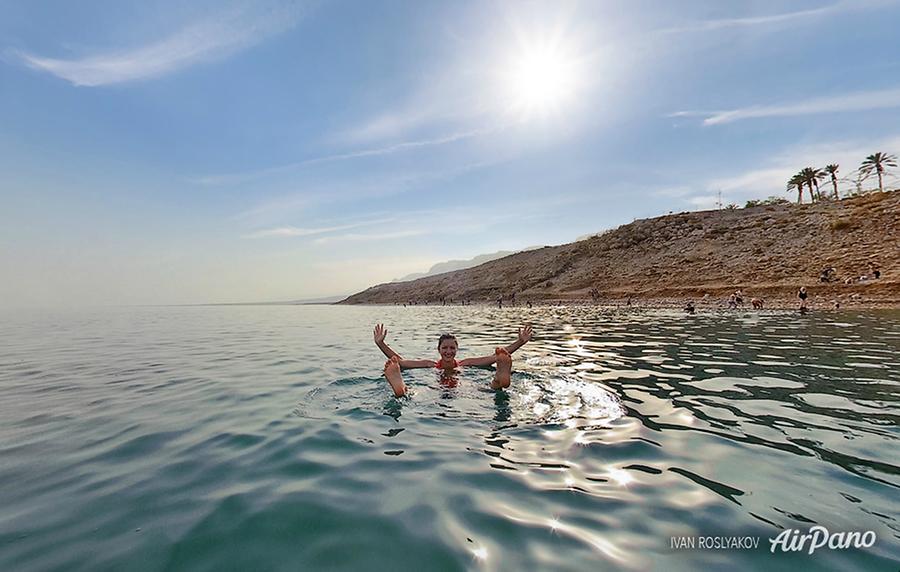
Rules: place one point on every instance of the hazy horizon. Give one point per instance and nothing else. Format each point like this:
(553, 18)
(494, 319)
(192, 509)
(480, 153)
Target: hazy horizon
(221, 152)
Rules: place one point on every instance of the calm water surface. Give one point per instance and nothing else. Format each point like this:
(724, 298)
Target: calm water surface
(263, 437)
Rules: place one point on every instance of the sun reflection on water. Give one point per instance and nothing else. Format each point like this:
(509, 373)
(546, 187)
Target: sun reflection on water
(621, 476)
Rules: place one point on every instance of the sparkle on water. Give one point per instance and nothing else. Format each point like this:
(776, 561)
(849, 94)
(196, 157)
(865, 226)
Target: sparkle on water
(263, 437)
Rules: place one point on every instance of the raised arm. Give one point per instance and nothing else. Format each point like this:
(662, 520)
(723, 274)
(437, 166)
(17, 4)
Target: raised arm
(524, 337)
(479, 361)
(380, 333)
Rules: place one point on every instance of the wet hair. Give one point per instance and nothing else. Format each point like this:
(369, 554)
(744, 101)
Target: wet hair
(446, 337)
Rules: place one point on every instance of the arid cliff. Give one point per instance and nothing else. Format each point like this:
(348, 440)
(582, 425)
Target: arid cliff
(767, 251)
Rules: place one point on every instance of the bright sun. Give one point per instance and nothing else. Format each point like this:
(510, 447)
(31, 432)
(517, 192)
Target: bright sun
(541, 80)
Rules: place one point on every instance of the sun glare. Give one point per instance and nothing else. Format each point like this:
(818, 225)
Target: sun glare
(620, 476)
(542, 79)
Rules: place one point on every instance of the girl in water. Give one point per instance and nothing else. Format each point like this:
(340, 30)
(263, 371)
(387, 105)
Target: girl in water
(447, 347)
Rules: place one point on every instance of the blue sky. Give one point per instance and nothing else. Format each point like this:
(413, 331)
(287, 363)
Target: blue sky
(154, 152)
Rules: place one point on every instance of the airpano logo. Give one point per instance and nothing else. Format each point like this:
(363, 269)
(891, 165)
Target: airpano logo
(818, 537)
(790, 540)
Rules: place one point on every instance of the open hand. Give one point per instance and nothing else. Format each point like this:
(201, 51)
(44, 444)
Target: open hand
(525, 334)
(380, 333)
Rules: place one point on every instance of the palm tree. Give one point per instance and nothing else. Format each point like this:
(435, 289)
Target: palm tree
(832, 170)
(811, 177)
(878, 162)
(797, 181)
(817, 174)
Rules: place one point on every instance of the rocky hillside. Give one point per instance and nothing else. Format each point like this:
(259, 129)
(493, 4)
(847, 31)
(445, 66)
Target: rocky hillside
(768, 251)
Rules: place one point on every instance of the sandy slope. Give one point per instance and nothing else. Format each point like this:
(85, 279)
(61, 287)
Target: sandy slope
(768, 251)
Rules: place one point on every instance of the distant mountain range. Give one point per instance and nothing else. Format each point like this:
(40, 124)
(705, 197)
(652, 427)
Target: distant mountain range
(324, 300)
(453, 265)
(439, 268)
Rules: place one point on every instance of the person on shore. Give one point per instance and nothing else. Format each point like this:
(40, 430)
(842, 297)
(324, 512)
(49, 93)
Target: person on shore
(447, 347)
(827, 274)
(802, 295)
(757, 303)
(689, 307)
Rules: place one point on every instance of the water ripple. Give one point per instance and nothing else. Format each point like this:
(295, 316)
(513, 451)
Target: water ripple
(264, 437)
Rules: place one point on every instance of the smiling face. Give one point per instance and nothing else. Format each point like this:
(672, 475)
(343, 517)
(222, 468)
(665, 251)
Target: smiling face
(447, 347)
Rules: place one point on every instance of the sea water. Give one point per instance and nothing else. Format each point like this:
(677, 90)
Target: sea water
(264, 438)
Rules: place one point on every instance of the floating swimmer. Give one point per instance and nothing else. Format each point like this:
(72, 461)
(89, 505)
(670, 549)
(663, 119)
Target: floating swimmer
(447, 347)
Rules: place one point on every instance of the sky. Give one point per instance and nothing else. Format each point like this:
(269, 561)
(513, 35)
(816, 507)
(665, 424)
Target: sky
(162, 152)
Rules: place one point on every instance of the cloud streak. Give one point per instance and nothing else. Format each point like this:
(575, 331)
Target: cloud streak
(197, 43)
(857, 101)
(237, 178)
(724, 23)
(774, 19)
(355, 237)
(292, 231)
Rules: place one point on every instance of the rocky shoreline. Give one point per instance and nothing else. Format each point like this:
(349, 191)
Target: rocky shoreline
(814, 303)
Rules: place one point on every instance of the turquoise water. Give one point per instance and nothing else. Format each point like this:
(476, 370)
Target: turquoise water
(262, 437)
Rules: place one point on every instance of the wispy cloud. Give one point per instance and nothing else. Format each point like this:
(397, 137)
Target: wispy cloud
(856, 101)
(196, 43)
(446, 99)
(458, 222)
(352, 188)
(776, 19)
(292, 231)
(389, 124)
(236, 178)
(771, 179)
(710, 25)
(355, 237)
